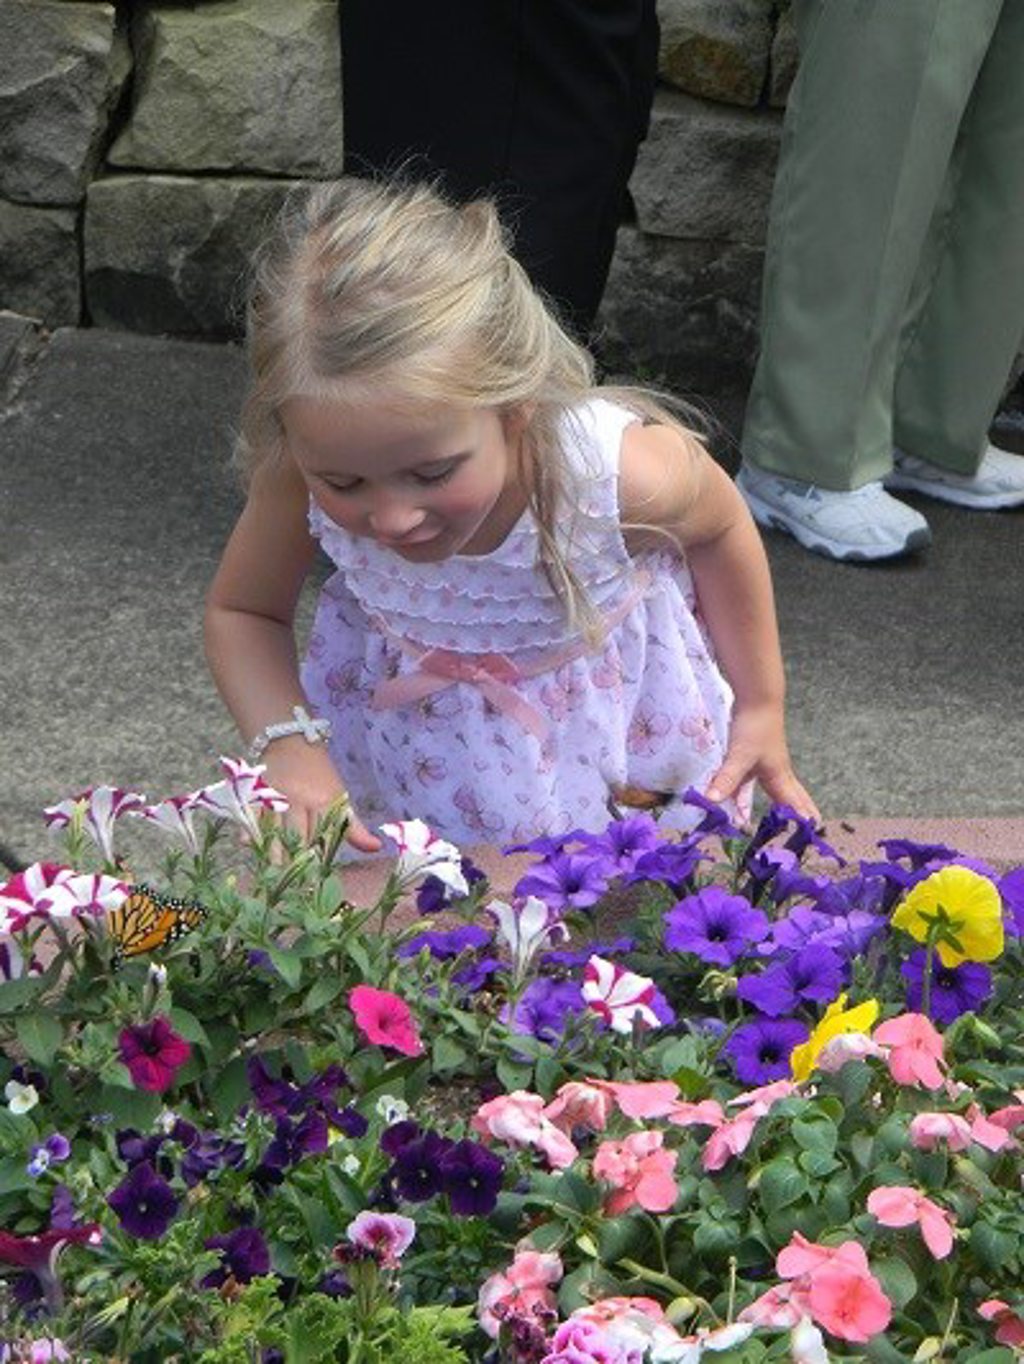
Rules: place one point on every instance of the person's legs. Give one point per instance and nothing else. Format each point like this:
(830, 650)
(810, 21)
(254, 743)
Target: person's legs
(968, 300)
(871, 127)
(540, 102)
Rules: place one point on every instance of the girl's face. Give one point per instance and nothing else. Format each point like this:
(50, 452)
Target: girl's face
(427, 485)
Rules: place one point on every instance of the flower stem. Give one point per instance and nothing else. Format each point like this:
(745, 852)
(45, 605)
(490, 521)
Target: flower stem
(926, 980)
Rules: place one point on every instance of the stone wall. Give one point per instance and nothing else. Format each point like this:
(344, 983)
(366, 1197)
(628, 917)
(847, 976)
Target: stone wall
(145, 143)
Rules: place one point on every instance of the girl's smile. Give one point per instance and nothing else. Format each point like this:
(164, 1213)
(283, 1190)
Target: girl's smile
(425, 484)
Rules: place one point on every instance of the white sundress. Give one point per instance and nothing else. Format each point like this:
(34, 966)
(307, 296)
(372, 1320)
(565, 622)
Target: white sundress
(458, 695)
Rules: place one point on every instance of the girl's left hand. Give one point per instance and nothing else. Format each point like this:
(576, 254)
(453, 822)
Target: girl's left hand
(757, 748)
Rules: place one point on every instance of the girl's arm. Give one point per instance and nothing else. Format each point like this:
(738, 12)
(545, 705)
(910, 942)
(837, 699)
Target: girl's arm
(250, 641)
(671, 488)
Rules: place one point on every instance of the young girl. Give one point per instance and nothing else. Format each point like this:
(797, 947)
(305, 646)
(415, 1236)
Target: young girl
(544, 591)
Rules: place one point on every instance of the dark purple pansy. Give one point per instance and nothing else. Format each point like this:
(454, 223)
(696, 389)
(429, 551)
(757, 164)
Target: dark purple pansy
(144, 1203)
(567, 880)
(955, 990)
(715, 926)
(471, 1176)
(416, 1169)
(760, 1050)
(545, 1006)
(208, 1154)
(814, 974)
(244, 1256)
(396, 1137)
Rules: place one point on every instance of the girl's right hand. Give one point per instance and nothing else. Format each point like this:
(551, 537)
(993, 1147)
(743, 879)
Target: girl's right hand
(308, 779)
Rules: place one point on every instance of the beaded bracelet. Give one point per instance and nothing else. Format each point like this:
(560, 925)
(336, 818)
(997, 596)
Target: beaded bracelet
(314, 731)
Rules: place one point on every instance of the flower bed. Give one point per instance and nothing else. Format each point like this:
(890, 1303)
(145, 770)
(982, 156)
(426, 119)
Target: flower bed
(780, 1119)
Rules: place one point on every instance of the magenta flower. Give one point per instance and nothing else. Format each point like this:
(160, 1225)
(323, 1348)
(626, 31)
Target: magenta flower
(153, 1053)
(385, 1019)
(240, 797)
(618, 996)
(386, 1235)
(47, 890)
(102, 806)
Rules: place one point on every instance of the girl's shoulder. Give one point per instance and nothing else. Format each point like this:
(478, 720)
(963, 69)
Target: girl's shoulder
(591, 435)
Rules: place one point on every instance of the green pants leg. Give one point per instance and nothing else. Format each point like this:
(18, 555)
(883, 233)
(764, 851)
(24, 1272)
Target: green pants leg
(869, 135)
(967, 305)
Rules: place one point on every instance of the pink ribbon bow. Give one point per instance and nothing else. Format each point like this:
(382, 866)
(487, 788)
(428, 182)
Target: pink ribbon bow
(437, 669)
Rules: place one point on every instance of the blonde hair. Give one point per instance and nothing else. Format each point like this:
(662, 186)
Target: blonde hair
(366, 286)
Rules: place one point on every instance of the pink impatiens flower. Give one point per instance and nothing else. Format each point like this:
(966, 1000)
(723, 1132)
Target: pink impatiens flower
(385, 1019)
(928, 1130)
(915, 1050)
(580, 1103)
(833, 1285)
(519, 1119)
(640, 1172)
(520, 1290)
(895, 1205)
(1009, 1325)
(153, 1053)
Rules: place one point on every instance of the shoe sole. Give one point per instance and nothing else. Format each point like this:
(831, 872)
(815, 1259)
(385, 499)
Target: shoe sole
(957, 497)
(765, 515)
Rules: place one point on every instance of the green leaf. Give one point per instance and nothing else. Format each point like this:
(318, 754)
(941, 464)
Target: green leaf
(447, 1055)
(188, 1026)
(993, 1248)
(130, 1107)
(548, 1075)
(229, 1090)
(287, 964)
(13, 1176)
(513, 1074)
(818, 1164)
(815, 1134)
(322, 992)
(897, 1278)
(781, 1184)
(40, 1034)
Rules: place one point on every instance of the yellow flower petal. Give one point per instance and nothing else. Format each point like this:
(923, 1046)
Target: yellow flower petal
(837, 1019)
(969, 901)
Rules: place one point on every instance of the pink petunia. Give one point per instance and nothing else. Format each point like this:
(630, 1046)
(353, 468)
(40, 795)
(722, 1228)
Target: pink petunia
(519, 1119)
(153, 1053)
(915, 1050)
(895, 1205)
(640, 1172)
(385, 1019)
(100, 807)
(240, 797)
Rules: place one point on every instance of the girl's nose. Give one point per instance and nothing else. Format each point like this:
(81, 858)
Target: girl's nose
(391, 518)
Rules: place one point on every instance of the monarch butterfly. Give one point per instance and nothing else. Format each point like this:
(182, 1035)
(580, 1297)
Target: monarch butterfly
(148, 920)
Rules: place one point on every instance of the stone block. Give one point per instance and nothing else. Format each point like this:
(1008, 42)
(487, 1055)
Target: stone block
(39, 263)
(169, 253)
(706, 171)
(682, 313)
(785, 59)
(63, 68)
(717, 49)
(240, 85)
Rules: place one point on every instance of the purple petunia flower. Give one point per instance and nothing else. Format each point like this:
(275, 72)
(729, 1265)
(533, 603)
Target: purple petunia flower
(849, 934)
(434, 895)
(765, 864)
(673, 864)
(760, 1051)
(870, 893)
(796, 929)
(447, 945)
(715, 926)
(547, 845)
(955, 990)
(917, 854)
(567, 879)
(814, 973)
(625, 840)
(569, 959)
(209, 1153)
(244, 1257)
(716, 820)
(471, 1176)
(472, 977)
(545, 1006)
(144, 1202)
(416, 1168)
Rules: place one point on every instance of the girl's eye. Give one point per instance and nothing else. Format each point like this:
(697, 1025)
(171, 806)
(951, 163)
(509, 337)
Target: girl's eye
(436, 476)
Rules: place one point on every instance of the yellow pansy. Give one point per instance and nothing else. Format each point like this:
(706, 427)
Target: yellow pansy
(838, 1019)
(962, 908)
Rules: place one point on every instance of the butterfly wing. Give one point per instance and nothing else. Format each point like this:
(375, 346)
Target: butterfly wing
(148, 920)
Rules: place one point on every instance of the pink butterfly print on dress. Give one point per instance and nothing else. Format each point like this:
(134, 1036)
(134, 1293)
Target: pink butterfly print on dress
(646, 732)
(482, 821)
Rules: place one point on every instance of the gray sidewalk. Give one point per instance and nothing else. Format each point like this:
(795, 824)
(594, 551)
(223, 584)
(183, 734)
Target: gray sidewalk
(905, 681)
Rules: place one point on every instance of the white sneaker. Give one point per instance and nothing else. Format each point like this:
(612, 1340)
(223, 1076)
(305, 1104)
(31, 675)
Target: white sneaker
(998, 482)
(863, 524)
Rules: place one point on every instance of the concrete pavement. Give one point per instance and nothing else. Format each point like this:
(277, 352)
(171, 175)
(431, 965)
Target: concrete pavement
(905, 680)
